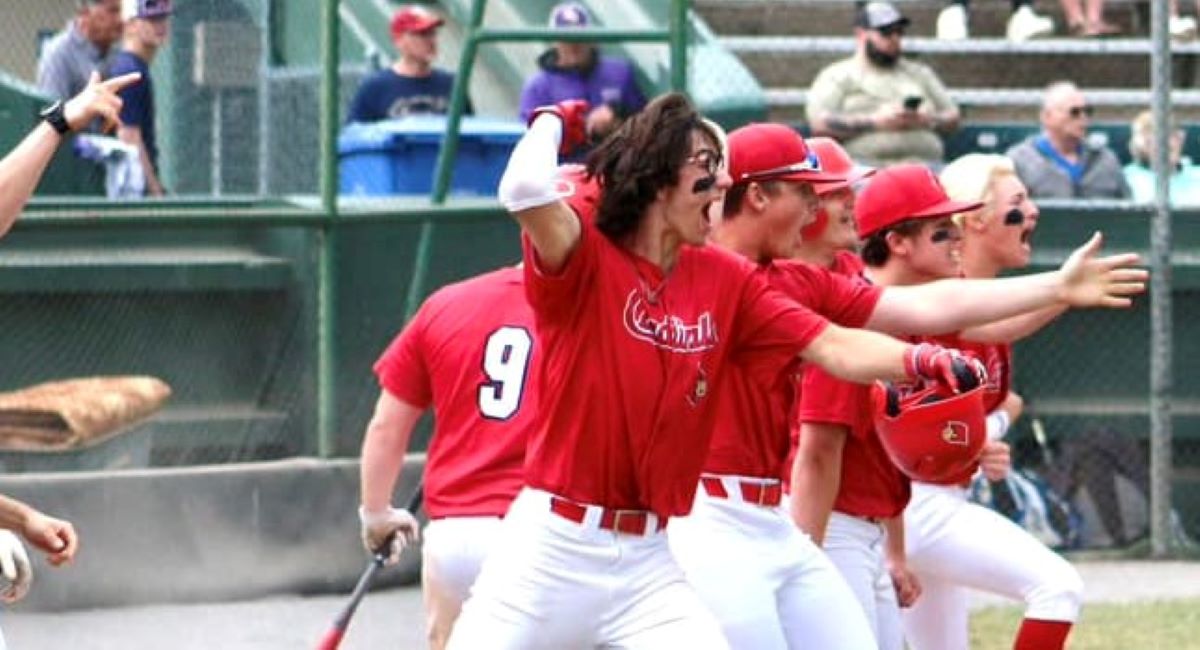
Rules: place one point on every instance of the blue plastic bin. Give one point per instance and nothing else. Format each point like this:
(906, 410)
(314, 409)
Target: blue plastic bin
(400, 156)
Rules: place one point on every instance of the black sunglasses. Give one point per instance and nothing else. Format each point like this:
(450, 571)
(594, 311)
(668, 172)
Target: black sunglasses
(1077, 111)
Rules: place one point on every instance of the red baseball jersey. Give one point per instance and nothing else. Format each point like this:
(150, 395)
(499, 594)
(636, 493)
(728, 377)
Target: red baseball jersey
(871, 486)
(632, 362)
(751, 437)
(469, 352)
(847, 264)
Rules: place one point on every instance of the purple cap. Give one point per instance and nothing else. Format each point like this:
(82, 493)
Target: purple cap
(131, 9)
(570, 14)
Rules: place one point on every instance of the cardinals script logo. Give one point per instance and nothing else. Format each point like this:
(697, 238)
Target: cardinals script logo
(667, 331)
(956, 433)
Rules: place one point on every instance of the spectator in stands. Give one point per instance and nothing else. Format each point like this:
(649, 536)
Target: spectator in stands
(1060, 162)
(1023, 25)
(572, 70)
(85, 45)
(411, 86)
(1185, 176)
(1088, 21)
(883, 107)
(147, 23)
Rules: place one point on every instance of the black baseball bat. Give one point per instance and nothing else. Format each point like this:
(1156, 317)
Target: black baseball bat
(333, 638)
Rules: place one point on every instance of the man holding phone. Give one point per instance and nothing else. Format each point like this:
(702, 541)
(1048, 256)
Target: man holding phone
(884, 108)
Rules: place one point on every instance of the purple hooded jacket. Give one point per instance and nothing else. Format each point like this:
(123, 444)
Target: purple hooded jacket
(607, 80)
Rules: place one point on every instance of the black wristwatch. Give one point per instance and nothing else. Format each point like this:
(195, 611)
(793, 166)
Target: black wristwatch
(55, 116)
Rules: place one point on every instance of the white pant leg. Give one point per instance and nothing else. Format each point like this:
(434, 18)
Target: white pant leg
(768, 585)
(555, 584)
(951, 539)
(452, 553)
(939, 620)
(856, 548)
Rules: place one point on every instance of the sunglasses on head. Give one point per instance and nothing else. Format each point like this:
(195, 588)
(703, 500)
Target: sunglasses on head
(1078, 111)
(809, 164)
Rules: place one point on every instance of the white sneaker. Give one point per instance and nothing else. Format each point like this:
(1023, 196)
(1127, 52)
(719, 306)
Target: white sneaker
(1182, 27)
(952, 23)
(1025, 24)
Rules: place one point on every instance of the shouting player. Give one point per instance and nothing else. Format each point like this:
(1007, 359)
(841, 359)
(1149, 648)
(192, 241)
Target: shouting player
(784, 593)
(953, 544)
(638, 322)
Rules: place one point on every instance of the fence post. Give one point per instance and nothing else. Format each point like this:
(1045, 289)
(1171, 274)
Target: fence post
(326, 284)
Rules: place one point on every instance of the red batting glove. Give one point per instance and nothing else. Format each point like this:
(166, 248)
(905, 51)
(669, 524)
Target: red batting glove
(948, 367)
(573, 113)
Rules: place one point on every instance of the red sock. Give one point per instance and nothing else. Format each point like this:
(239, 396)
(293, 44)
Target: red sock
(1042, 635)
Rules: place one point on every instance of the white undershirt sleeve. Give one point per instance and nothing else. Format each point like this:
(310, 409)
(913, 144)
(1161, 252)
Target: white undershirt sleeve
(529, 179)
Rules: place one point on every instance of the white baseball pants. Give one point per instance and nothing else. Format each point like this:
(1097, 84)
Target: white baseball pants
(954, 544)
(555, 584)
(856, 548)
(770, 587)
(452, 552)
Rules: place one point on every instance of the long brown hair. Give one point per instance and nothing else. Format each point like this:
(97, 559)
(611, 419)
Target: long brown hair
(643, 156)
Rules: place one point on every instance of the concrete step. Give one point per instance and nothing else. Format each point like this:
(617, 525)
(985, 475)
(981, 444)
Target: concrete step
(994, 63)
(835, 17)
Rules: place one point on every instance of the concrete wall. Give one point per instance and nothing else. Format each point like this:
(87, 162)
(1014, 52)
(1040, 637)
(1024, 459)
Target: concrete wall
(206, 533)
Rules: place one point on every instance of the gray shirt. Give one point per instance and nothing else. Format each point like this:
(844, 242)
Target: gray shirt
(68, 59)
(1046, 178)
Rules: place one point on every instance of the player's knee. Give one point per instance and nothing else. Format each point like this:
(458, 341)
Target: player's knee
(1059, 596)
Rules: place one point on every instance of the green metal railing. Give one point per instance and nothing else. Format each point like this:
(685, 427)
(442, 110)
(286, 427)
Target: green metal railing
(675, 36)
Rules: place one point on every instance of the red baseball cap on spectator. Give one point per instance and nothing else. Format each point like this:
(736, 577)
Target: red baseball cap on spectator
(835, 160)
(774, 152)
(904, 192)
(414, 18)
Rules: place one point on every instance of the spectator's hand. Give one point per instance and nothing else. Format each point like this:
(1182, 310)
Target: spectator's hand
(905, 582)
(98, 99)
(1090, 281)
(388, 531)
(53, 536)
(574, 116)
(945, 366)
(15, 568)
(995, 460)
(600, 122)
(893, 118)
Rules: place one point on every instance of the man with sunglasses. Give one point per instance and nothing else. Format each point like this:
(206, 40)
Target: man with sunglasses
(1060, 162)
(882, 106)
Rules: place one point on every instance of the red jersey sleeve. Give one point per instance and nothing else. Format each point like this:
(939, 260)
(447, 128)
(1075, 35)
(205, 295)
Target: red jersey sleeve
(773, 329)
(843, 300)
(557, 295)
(825, 399)
(401, 368)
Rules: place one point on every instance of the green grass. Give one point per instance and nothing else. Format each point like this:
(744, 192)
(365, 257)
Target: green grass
(1160, 625)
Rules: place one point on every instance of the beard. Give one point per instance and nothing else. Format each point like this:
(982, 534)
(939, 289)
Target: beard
(881, 58)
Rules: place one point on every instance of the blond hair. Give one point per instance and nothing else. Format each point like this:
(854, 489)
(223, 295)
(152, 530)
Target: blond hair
(973, 177)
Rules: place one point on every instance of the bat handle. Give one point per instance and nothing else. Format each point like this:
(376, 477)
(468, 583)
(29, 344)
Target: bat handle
(332, 639)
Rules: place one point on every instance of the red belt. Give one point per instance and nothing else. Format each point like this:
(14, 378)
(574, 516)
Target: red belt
(760, 494)
(629, 522)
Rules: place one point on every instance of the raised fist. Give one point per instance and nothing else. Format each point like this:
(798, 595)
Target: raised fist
(948, 367)
(574, 115)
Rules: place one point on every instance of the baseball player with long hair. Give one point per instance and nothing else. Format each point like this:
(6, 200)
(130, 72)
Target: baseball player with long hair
(953, 544)
(783, 593)
(638, 322)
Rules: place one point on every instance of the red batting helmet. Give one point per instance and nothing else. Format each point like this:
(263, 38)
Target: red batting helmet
(932, 435)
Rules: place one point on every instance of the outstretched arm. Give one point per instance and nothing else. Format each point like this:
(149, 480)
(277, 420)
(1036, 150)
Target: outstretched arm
(53, 536)
(1011, 330)
(1084, 280)
(528, 189)
(862, 356)
(22, 168)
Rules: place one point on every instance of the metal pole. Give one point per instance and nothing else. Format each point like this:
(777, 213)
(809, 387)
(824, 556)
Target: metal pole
(1160, 288)
(326, 284)
(264, 100)
(679, 41)
(216, 142)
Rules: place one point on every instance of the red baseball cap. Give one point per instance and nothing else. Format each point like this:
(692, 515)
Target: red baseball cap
(414, 18)
(903, 192)
(835, 160)
(774, 152)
